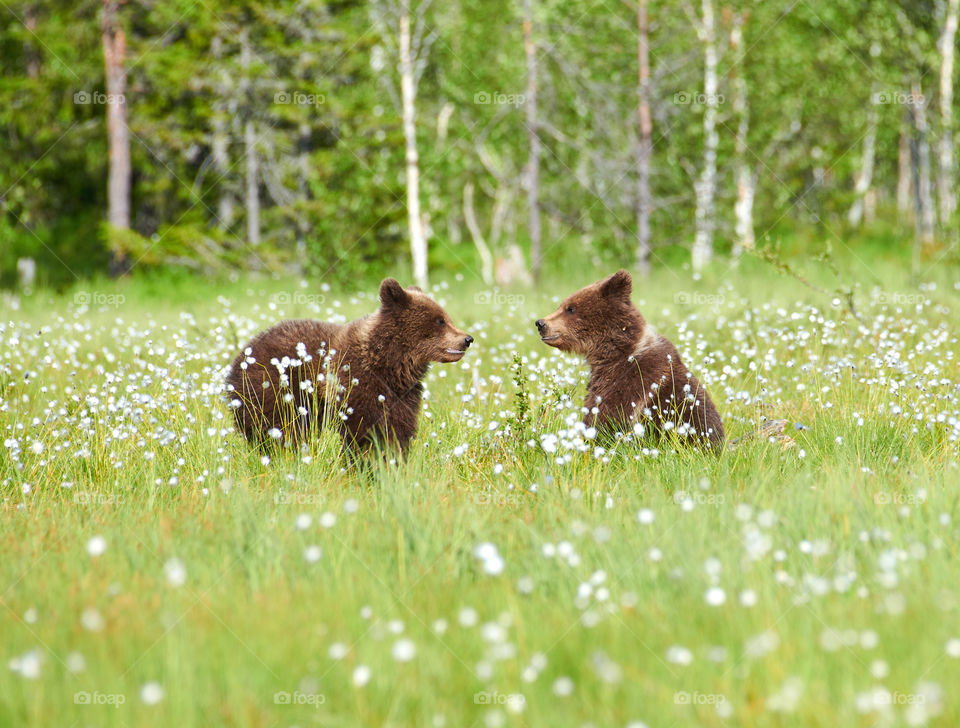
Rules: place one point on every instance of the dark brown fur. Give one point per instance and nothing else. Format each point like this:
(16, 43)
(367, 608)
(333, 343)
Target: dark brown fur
(364, 377)
(636, 375)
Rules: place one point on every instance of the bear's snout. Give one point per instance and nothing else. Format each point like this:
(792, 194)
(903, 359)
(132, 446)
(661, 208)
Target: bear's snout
(541, 325)
(467, 341)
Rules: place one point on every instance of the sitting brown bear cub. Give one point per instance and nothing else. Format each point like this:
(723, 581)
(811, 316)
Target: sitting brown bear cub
(636, 375)
(363, 377)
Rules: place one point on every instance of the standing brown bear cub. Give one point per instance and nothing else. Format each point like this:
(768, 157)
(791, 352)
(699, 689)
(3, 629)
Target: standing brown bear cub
(636, 375)
(364, 377)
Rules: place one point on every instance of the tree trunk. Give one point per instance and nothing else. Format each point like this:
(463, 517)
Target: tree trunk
(118, 182)
(250, 147)
(418, 241)
(924, 188)
(483, 250)
(29, 50)
(903, 169)
(533, 164)
(220, 145)
(644, 204)
(865, 177)
(746, 180)
(706, 186)
(948, 202)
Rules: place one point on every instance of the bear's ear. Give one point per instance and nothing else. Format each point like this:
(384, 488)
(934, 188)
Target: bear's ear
(618, 285)
(392, 294)
(418, 289)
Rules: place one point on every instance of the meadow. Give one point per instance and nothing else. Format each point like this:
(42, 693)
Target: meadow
(511, 571)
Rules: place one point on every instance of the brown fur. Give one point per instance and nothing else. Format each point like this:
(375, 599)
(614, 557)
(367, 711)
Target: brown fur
(364, 377)
(636, 375)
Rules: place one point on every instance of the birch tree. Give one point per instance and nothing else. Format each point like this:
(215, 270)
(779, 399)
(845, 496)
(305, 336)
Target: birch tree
(404, 29)
(118, 181)
(746, 177)
(250, 148)
(644, 203)
(865, 175)
(945, 179)
(706, 185)
(533, 162)
(923, 188)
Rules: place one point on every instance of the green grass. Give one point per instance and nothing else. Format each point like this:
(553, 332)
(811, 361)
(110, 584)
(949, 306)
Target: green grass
(844, 545)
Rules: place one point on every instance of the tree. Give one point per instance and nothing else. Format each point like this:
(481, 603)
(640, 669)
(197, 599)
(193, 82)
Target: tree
(118, 184)
(644, 203)
(945, 179)
(706, 185)
(533, 135)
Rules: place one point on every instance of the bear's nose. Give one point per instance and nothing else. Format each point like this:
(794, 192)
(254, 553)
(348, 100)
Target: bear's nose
(467, 341)
(541, 325)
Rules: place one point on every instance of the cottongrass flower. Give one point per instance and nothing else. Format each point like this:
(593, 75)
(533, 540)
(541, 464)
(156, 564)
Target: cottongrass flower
(492, 562)
(312, 554)
(562, 686)
(151, 693)
(361, 676)
(403, 650)
(175, 572)
(96, 546)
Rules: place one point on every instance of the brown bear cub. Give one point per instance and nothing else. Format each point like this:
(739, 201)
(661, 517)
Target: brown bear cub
(364, 377)
(636, 375)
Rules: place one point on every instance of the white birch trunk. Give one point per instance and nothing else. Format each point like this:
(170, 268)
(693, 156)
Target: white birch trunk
(644, 204)
(418, 240)
(533, 163)
(250, 152)
(746, 179)
(945, 180)
(903, 170)
(865, 176)
(926, 212)
(706, 186)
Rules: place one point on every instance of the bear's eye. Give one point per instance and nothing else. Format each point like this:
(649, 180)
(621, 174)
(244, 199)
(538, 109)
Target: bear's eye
(440, 321)
(570, 309)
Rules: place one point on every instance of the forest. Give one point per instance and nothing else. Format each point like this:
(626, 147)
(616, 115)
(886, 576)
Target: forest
(341, 140)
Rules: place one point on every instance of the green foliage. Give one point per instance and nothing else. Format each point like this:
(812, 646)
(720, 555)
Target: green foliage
(320, 88)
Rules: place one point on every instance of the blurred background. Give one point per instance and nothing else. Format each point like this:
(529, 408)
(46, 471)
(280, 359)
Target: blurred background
(500, 140)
